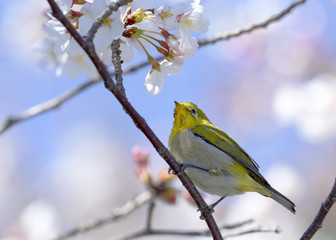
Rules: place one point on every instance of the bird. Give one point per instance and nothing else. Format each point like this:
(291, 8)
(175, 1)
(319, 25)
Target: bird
(213, 160)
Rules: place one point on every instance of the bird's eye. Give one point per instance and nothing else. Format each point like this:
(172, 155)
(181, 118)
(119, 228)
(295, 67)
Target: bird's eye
(194, 112)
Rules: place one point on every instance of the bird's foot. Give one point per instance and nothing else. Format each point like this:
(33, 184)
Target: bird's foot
(206, 212)
(183, 167)
(210, 209)
(212, 172)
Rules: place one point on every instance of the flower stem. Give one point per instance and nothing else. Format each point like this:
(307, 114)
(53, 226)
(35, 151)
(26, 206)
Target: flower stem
(159, 49)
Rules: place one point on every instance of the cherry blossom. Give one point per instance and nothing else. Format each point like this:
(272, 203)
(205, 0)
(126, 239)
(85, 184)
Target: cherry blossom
(195, 20)
(111, 29)
(155, 78)
(144, 29)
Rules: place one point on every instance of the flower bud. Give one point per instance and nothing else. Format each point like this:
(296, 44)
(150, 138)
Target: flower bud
(78, 2)
(133, 32)
(169, 195)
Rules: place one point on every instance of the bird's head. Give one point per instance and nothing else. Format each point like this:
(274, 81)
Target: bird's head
(188, 115)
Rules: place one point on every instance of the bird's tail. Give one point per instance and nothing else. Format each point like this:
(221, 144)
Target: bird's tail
(274, 194)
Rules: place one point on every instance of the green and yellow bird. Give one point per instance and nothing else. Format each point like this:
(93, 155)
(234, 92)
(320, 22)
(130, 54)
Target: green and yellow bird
(213, 160)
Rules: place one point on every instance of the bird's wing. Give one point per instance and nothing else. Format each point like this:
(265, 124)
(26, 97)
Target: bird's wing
(225, 143)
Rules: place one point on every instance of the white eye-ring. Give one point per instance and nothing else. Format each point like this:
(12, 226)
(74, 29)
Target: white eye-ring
(194, 112)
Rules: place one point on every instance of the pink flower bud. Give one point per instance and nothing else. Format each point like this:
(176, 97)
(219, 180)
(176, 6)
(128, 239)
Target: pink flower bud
(141, 163)
(140, 155)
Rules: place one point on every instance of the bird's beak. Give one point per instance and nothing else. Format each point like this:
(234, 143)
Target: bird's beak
(178, 106)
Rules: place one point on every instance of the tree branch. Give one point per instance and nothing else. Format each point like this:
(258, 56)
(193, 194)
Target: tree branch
(150, 215)
(262, 25)
(116, 60)
(276, 229)
(204, 233)
(46, 106)
(322, 213)
(237, 225)
(118, 213)
(59, 100)
(138, 120)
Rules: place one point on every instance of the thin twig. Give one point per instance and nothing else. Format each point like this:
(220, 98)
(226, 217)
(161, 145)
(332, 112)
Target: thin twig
(57, 101)
(149, 231)
(237, 225)
(118, 213)
(322, 213)
(151, 207)
(112, 7)
(204, 233)
(116, 60)
(276, 229)
(262, 25)
(138, 120)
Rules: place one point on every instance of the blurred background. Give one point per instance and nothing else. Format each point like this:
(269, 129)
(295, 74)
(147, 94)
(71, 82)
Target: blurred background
(273, 91)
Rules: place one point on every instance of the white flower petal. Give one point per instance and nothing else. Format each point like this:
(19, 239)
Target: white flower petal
(62, 61)
(103, 38)
(87, 10)
(64, 5)
(73, 66)
(126, 52)
(170, 68)
(154, 82)
(84, 24)
(188, 43)
(74, 48)
(180, 8)
(89, 68)
(106, 57)
(62, 44)
(54, 28)
(200, 23)
(165, 18)
(98, 6)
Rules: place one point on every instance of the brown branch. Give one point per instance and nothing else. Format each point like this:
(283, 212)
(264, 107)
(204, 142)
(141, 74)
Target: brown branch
(118, 213)
(322, 213)
(262, 25)
(59, 100)
(138, 120)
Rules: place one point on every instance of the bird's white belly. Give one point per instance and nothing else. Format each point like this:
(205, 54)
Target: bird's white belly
(188, 148)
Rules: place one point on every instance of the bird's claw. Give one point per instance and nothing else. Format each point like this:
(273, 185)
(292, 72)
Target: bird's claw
(209, 209)
(206, 212)
(171, 171)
